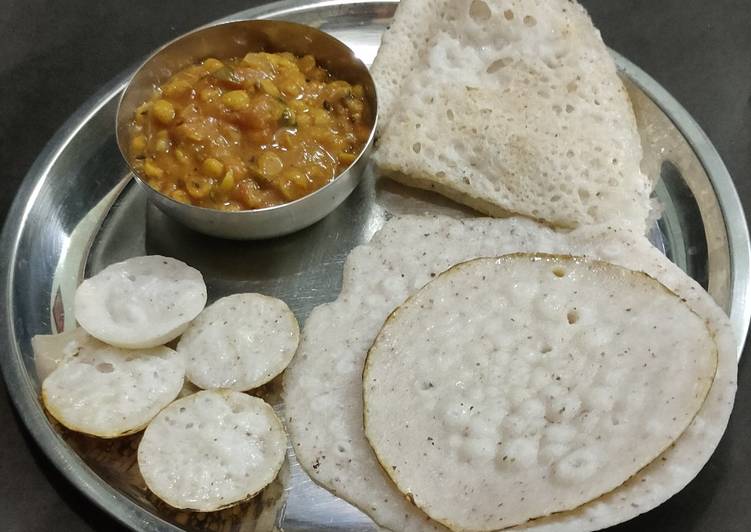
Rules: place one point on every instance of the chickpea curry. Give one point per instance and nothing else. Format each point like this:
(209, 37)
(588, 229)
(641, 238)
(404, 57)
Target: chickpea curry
(247, 133)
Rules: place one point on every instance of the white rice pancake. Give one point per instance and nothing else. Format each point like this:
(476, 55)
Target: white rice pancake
(108, 392)
(323, 384)
(531, 384)
(140, 302)
(240, 342)
(51, 349)
(509, 106)
(211, 450)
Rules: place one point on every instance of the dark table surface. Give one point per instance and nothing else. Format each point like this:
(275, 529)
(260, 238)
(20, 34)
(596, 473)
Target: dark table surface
(56, 54)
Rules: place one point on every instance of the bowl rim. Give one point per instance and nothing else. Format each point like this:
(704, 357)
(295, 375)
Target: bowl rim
(244, 212)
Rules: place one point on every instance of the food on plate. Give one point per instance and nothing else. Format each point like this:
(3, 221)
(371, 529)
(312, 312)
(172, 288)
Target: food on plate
(473, 374)
(249, 132)
(512, 106)
(211, 450)
(205, 450)
(51, 349)
(531, 384)
(107, 391)
(239, 342)
(140, 302)
(323, 384)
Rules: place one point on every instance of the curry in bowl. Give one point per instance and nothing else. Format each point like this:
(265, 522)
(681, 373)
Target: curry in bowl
(248, 132)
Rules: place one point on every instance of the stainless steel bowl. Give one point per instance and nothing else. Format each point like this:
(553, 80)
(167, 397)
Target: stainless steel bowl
(233, 39)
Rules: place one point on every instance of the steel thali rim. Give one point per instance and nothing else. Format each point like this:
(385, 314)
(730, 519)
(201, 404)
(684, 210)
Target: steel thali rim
(23, 392)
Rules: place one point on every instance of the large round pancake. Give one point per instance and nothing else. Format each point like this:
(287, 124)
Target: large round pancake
(531, 384)
(107, 391)
(140, 302)
(239, 342)
(323, 385)
(211, 450)
(510, 106)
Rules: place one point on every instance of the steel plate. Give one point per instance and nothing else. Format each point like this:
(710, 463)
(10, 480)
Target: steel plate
(77, 211)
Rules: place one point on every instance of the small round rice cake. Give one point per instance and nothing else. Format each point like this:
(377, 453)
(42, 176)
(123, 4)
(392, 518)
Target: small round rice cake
(51, 349)
(109, 392)
(240, 342)
(211, 450)
(531, 384)
(140, 302)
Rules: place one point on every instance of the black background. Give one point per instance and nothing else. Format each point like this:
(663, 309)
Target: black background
(55, 54)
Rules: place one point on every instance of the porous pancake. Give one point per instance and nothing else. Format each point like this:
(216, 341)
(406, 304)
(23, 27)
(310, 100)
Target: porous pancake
(511, 106)
(239, 342)
(211, 450)
(531, 384)
(107, 391)
(323, 384)
(51, 349)
(140, 302)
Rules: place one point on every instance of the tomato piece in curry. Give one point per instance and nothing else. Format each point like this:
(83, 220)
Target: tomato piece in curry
(250, 132)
